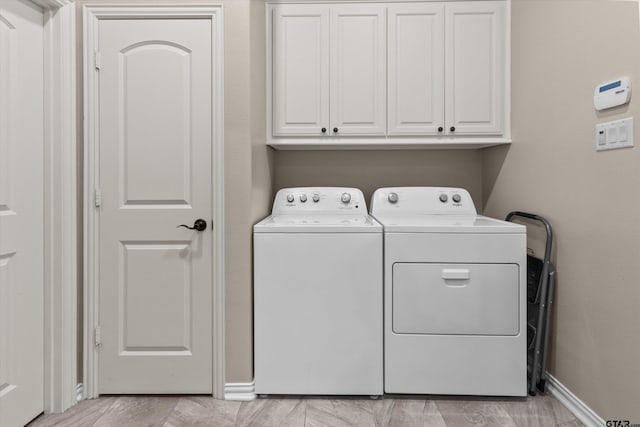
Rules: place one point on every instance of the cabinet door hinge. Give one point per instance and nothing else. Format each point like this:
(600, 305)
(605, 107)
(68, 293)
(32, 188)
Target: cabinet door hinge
(97, 336)
(98, 197)
(96, 59)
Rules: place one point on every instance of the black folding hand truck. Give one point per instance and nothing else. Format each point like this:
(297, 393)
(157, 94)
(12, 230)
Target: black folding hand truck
(541, 280)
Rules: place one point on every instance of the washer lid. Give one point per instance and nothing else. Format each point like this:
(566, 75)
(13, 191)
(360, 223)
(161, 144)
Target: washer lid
(320, 223)
(424, 223)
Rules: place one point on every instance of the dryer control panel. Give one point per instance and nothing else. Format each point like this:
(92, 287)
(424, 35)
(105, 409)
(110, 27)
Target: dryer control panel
(300, 200)
(423, 200)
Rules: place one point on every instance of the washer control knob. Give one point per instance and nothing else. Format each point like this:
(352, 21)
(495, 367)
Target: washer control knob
(290, 198)
(456, 198)
(315, 197)
(443, 198)
(393, 197)
(346, 197)
(303, 198)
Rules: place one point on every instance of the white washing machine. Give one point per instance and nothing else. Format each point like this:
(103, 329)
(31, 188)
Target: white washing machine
(454, 294)
(318, 295)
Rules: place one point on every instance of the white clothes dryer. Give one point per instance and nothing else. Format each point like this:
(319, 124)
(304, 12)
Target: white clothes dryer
(318, 295)
(454, 295)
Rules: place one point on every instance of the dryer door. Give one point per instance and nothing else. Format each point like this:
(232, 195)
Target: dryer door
(455, 299)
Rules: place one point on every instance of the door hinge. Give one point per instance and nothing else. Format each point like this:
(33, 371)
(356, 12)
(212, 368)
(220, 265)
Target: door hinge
(97, 336)
(96, 59)
(98, 197)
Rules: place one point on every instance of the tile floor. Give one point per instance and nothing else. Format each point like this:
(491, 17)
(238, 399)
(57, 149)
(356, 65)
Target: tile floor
(394, 411)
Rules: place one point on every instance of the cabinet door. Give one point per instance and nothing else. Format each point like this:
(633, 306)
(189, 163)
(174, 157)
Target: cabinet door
(300, 70)
(475, 67)
(358, 70)
(416, 69)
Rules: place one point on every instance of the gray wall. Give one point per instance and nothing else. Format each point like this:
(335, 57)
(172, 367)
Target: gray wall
(237, 102)
(369, 170)
(561, 49)
(248, 172)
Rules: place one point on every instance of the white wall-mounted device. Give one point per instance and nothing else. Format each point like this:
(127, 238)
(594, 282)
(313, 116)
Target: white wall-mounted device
(612, 94)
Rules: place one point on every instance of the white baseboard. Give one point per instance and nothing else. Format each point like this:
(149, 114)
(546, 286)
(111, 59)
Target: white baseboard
(80, 392)
(580, 409)
(240, 391)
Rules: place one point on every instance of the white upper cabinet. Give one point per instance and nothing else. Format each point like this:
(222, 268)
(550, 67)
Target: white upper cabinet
(446, 68)
(475, 64)
(389, 74)
(358, 70)
(329, 70)
(416, 69)
(300, 69)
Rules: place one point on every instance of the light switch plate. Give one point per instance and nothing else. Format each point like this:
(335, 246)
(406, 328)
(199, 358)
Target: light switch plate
(616, 134)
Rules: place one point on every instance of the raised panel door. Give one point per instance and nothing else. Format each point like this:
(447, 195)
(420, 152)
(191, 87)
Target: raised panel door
(416, 69)
(358, 70)
(475, 67)
(21, 213)
(155, 139)
(300, 70)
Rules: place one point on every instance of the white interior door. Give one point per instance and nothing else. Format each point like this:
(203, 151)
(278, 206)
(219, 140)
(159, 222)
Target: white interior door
(21, 213)
(155, 173)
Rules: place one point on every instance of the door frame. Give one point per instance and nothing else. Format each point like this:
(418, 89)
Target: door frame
(92, 14)
(61, 389)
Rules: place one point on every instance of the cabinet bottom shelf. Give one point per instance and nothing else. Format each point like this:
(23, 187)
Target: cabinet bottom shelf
(383, 144)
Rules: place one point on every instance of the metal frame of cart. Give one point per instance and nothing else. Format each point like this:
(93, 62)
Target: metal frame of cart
(541, 280)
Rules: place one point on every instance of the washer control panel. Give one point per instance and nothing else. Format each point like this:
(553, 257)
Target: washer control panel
(424, 200)
(319, 199)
